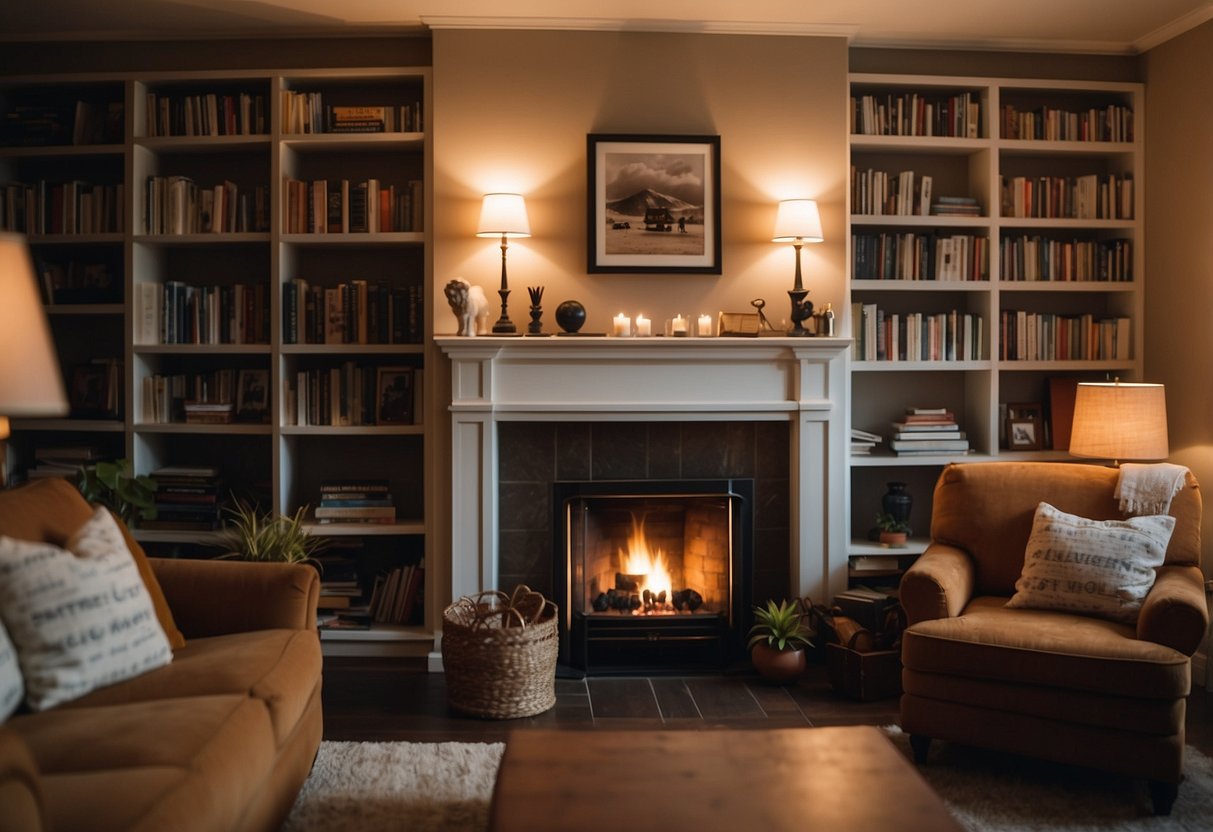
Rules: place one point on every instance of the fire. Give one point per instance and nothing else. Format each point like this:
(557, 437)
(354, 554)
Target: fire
(637, 560)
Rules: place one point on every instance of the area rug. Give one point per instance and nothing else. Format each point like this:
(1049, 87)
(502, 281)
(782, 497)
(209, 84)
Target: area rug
(432, 787)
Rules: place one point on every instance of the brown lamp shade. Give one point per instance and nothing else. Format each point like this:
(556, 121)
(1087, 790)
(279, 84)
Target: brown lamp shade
(1120, 421)
(30, 383)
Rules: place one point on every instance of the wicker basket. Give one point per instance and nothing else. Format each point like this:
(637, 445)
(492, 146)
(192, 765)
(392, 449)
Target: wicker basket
(499, 654)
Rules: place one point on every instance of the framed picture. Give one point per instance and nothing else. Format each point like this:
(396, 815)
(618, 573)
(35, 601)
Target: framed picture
(654, 204)
(93, 390)
(1025, 427)
(394, 393)
(253, 396)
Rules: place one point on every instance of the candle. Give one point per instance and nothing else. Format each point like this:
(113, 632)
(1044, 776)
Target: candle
(705, 325)
(644, 326)
(623, 325)
(678, 326)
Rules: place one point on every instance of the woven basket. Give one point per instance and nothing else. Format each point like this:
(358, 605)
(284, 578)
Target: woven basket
(499, 654)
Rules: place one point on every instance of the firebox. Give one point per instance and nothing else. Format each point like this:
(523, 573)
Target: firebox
(654, 573)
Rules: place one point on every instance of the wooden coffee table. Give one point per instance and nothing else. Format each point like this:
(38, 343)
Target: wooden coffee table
(850, 778)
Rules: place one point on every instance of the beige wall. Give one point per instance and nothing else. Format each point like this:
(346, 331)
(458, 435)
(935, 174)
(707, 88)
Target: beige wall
(1179, 251)
(512, 111)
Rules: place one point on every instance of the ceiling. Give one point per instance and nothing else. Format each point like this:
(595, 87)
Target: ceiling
(1095, 26)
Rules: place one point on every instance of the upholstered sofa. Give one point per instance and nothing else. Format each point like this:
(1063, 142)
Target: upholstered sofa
(1048, 683)
(220, 738)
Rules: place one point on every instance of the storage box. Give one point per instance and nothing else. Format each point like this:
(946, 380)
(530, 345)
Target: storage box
(864, 676)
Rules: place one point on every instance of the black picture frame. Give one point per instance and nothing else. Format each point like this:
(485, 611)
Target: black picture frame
(253, 396)
(394, 396)
(675, 229)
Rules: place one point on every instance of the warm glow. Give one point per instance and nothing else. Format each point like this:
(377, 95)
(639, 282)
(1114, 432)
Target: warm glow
(637, 560)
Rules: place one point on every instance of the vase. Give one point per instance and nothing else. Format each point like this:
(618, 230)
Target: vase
(777, 665)
(897, 503)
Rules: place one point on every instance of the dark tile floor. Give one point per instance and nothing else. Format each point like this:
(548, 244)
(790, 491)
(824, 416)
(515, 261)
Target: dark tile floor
(378, 700)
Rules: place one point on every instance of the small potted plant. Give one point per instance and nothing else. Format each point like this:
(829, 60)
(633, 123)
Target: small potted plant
(116, 486)
(257, 536)
(893, 532)
(778, 640)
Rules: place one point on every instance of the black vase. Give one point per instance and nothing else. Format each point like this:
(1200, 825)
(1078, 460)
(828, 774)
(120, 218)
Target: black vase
(897, 503)
(570, 315)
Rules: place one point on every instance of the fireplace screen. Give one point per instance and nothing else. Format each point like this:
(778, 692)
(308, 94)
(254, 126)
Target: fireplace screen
(653, 572)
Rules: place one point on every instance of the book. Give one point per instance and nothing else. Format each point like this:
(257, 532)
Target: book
(368, 486)
(939, 426)
(927, 435)
(929, 444)
(355, 512)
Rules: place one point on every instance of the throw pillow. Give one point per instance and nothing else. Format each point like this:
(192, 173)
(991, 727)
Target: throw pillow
(79, 623)
(11, 686)
(1093, 567)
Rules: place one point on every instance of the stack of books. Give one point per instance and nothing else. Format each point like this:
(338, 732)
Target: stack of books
(928, 430)
(956, 206)
(187, 498)
(355, 501)
(208, 413)
(62, 460)
(396, 596)
(862, 441)
(340, 590)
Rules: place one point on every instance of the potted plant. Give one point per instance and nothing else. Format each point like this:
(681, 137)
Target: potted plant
(115, 486)
(778, 640)
(259, 536)
(893, 532)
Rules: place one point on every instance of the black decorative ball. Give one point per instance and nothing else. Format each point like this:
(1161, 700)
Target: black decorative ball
(570, 315)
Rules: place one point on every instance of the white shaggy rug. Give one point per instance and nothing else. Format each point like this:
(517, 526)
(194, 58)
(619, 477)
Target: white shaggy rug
(377, 787)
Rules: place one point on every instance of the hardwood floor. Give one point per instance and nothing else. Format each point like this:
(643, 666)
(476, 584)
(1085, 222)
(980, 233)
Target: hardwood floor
(381, 700)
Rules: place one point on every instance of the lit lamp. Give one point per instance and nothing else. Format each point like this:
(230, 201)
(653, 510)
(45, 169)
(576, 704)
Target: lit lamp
(30, 383)
(504, 216)
(1120, 421)
(798, 222)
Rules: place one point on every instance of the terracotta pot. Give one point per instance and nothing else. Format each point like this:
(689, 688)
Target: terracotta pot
(893, 538)
(777, 665)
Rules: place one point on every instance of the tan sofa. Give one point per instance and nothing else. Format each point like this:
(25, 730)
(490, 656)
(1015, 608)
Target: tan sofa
(1056, 685)
(220, 739)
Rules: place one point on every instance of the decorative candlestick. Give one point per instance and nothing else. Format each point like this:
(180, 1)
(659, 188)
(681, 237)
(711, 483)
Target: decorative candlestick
(535, 327)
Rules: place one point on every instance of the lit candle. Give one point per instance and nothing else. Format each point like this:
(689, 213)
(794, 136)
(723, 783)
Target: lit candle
(623, 325)
(678, 326)
(644, 327)
(705, 325)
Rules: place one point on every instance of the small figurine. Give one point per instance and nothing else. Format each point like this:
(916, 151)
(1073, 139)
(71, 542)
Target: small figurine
(468, 303)
(535, 327)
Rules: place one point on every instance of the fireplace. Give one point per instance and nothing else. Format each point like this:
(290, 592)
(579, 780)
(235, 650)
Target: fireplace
(652, 575)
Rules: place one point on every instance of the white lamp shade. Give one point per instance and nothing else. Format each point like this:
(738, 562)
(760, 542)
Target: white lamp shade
(503, 215)
(798, 220)
(30, 383)
(1118, 421)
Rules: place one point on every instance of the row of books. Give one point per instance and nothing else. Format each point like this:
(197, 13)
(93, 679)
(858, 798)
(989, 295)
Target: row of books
(1091, 197)
(306, 112)
(927, 430)
(911, 256)
(187, 498)
(174, 312)
(1046, 336)
(178, 205)
(353, 312)
(916, 336)
(193, 398)
(353, 395)
(916, 114)
(879, 193)
(1113, 123)
(78, 280)
(320, 206)
(207, 114)
(955, 206)
(398, 597)
(64, 461)
(48, 125)
(1035, 257)
(71, 207)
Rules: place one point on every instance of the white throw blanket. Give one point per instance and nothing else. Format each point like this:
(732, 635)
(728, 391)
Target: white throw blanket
(1148, 489)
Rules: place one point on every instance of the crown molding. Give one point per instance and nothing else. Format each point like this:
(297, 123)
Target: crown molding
(1174, 29)
(1060, 45)
(606, 24)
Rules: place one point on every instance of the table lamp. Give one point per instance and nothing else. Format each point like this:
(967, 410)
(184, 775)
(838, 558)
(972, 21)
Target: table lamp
(798, 222)
(504, 216)
(1120, 421)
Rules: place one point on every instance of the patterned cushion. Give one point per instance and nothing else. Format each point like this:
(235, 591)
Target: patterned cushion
(1091, 567)
(11, 686)
(79, 621)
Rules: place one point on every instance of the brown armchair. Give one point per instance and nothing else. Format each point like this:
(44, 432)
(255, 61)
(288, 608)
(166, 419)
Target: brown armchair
(1072, 688)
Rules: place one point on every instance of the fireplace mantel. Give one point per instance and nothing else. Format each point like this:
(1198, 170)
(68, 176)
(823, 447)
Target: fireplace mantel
(798, 380)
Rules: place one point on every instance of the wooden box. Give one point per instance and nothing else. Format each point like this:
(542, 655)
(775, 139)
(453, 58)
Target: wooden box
(864, 676)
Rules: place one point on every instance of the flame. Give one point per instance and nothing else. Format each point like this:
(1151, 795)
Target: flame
(637, 560)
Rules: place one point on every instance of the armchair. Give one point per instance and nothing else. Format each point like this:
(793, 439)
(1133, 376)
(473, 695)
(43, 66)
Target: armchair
(1046, 683)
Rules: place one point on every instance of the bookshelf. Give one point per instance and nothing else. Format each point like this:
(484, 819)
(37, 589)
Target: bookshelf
(196, 164)
(1051, 263)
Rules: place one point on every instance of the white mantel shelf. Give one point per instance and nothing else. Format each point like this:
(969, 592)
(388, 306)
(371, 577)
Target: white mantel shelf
(798, 380)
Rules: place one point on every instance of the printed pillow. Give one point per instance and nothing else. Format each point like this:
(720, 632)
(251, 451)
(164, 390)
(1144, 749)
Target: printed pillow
(11, 686)
(1093, 567)
(80, 621)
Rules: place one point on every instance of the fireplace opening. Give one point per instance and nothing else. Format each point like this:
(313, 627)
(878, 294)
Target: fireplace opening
(654, 573)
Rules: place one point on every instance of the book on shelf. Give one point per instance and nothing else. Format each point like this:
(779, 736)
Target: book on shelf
(864, 435)
(873, 563)
(913, 435)
(924, 445)
(343, 622)
(367, 486)
(935, 426)
(383, 513)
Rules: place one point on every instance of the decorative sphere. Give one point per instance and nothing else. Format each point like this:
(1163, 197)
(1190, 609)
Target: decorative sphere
(570, 315)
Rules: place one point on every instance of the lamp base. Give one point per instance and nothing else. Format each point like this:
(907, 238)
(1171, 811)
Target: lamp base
(802, 309)
(504, 325)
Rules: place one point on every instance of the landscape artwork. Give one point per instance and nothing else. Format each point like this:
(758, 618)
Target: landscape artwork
(654, 204)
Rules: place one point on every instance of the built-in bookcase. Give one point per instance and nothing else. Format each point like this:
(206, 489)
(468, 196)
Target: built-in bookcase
(196, 166)
(1034, 269)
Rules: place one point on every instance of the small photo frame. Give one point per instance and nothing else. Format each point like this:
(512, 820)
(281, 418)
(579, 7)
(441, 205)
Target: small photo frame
(1025, 427)
(394, 396)
(253, 396)
(93, 391)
